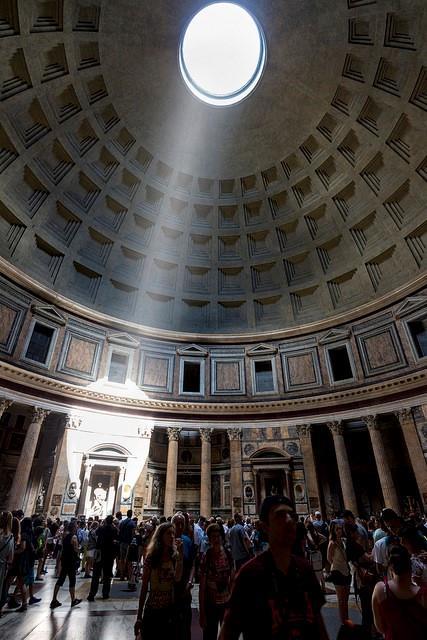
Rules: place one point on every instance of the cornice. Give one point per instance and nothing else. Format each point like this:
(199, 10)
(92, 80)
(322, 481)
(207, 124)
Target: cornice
(378, 393)
(69, 306)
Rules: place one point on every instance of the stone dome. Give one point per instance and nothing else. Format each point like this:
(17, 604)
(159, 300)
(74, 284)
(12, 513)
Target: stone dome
(123, 195)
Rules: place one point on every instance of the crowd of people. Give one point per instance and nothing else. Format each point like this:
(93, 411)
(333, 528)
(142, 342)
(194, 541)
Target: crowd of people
(265, 578)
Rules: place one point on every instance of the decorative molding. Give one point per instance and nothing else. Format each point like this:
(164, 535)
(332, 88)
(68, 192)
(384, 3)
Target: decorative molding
(234, 433)
(261, 350)
(49, 312)
(145, 432)
(371, 422)
(205, 434)
(304, 430)
(336, 427)
(378, 393)
(4, 405)
(72, 421)
(38, 414)
(173, 433)
(193, 350)
(413, 303)
(334, 335)
(124, 340)
(404, 415)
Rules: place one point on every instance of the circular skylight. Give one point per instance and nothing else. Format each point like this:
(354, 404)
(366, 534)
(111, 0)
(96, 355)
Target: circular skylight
(222, 53)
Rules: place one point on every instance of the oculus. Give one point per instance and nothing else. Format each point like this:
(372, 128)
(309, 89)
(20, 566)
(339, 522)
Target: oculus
(222, 54)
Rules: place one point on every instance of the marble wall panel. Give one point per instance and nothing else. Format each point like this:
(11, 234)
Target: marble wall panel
(380, 350)
(156, 371)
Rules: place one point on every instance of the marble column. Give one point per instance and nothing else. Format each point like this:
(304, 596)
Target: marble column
(84, 504)
(236, 484)
(118, 500)
(311, 483)
(4, 405)
(26, 458)
(415, 451)
(384, 472)
(171, 471)
(205, 473)
(347, 488)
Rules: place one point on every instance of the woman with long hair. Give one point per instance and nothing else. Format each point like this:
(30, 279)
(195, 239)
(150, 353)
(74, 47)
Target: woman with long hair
(162, 569)
(340, 570)
(399, 605)
(216, 575)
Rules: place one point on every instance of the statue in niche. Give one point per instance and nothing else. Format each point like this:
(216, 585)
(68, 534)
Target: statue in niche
(216, 492)
(157, 492)
(99, 501)
(40, 500)
(262, 433)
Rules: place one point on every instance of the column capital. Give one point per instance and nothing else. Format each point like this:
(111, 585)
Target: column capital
(205, 434)
(4, 405)
(72, 421)
(173, 433)
(371, 421)
(336, 427)
(38, 414)
(234, 433)
(145, 432)
(304, 430)
(404, 414)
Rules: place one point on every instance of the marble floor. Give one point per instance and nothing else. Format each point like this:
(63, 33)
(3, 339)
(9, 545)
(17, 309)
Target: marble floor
(104, 619)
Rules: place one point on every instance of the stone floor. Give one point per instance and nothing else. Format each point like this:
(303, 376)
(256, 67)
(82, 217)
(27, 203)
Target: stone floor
(104, 619)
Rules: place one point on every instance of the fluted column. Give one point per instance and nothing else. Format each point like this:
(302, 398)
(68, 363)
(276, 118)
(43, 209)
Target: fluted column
(205, 473)
(4, 405)
(347, 488)
(171, 471)
(311, 483)
(23, 470)
(384, 472)
(235, 434)
(86, 491)
(415, 451)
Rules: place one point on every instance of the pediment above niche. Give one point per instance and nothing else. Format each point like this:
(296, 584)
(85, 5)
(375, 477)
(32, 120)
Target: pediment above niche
(48, 312)
(261, 350)
(411, 304)
(334, 335)
(123, 339)
(193, 350)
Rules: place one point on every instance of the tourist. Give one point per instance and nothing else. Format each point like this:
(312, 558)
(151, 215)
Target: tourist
(6, 553)
(105, 554)
(400, 606)
(258, 539)
(240, 544)
(156, 617)
(133, 558)
(416, 544)
(340, 570)
(381, 549)
(276, 594)
(184, 586)
(69, 563)
(91, 548)
(126, 533)
(314, 542)
(365, 577)
(216, 574)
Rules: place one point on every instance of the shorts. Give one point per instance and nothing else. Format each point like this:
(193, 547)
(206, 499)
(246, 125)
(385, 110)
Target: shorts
(71, 573)
(29, 577)
(124, 546)
(339, 579)
(90, 553)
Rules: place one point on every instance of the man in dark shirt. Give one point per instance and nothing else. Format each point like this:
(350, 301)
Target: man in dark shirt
(276, 595)
(106, 550)
(126, 532)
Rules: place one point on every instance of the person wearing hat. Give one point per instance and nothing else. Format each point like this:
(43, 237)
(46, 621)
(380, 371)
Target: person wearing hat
(276, 594)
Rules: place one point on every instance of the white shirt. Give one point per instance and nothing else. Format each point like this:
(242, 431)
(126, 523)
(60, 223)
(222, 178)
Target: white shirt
(380, 551)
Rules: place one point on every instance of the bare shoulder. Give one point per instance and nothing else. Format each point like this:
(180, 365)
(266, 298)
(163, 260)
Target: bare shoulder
(379, 589)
